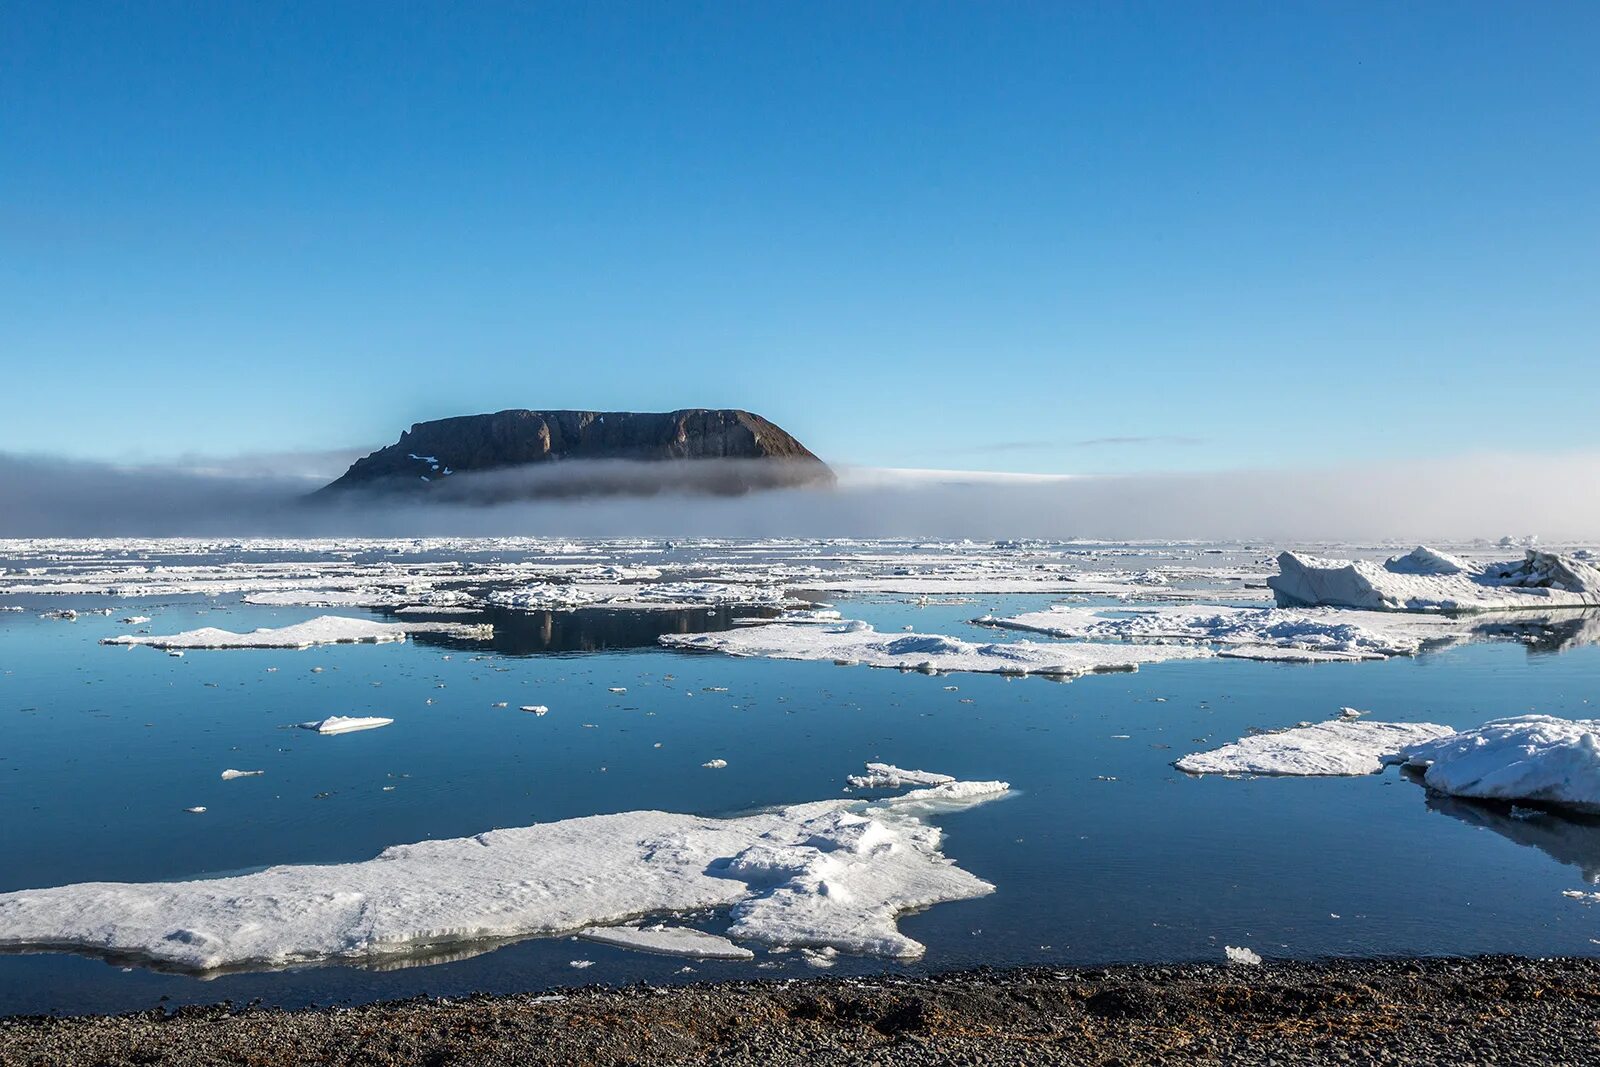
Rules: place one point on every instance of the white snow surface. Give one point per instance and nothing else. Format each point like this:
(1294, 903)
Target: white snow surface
(857, 642)
(1528, 758)
(1338, 747)
(323, 630)
(1422, 581)
(668, 941)
(832, 873)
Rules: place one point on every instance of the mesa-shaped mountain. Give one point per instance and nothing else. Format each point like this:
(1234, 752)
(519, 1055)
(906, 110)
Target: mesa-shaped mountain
(520, 454)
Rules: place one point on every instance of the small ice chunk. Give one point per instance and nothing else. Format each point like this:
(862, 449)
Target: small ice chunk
(344, 724)
(198, 809)
(536, 709)
(1241, 955)
(715, 764)
(230, 774)
(669, 941)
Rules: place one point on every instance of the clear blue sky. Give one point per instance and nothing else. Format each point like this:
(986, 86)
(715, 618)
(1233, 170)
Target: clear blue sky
(1063, 236)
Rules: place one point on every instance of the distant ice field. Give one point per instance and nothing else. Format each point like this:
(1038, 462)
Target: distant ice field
(1100, 851)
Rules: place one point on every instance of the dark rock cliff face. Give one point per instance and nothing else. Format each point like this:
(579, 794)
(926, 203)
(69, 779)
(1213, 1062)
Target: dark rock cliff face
(520, 454)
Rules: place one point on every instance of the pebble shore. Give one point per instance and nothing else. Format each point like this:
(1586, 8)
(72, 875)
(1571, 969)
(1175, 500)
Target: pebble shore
(1461, 1011)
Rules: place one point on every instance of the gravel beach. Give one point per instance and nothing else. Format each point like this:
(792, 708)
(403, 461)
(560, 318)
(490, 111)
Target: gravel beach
(1483, 1010)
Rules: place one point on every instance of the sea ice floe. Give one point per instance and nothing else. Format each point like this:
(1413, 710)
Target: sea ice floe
(323, 630)
(345, 724)
(668, 941)
(888, 776)
(230, 774)
(1430, 581)
(832, 873)
(1248, 633)
(1536, 759)
(857, 642)
(1337, 747)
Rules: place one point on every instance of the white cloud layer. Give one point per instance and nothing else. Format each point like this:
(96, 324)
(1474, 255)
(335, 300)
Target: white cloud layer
(1485, 495)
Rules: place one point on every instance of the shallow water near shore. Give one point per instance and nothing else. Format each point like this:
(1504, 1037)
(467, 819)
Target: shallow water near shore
(1102, 853)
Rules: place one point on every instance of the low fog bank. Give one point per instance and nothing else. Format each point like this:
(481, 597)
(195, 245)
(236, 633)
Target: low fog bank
(1453, 498)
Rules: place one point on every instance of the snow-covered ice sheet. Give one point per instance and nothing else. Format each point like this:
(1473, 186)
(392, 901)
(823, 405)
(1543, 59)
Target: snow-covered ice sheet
(832, 873)
(1252, 633)
(857, 642)
(668, 941)
(1339, 747)
(1536, 759)
(323, 630)
(1426, 580)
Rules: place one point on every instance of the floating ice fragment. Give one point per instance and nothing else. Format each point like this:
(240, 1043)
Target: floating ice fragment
(1536, 759)
(1241, 955)
(668, 941)
(715, 764)
(199, 809)
(344, 724)
(830, 873)
(230, 774)
(323, 630)
(857, 642)
(888, 776)
(1337, 747)
(537, 709)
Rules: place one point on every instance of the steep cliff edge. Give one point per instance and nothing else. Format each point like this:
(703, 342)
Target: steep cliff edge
(636, 453)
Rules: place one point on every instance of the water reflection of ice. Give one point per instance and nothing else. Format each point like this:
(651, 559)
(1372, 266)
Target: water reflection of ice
(1572, 840)
(1547, 632)
(529, 633)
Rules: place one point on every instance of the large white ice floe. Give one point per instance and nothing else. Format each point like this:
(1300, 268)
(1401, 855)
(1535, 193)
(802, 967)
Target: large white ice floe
(1529, 758)
(1426, 580)
(668, 941)
(857, 642)
(323, 630)
(1250, 633)
(832, 873)
(1339, 747)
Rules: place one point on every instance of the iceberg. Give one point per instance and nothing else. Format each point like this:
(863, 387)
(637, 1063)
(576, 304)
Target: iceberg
(1538, 759)
(829, 874)
(1338, 747)
(1426, 580)
(858, 642)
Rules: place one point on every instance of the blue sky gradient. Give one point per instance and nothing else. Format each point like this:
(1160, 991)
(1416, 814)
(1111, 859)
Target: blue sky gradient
(1041, 237)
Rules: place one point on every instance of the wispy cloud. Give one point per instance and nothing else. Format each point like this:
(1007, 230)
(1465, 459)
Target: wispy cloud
(1061, 444)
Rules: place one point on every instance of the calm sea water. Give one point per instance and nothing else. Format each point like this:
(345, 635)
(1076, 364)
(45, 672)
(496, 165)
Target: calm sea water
(1104, 853)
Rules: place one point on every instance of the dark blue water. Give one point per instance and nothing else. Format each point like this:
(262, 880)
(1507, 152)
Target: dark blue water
(104, 748)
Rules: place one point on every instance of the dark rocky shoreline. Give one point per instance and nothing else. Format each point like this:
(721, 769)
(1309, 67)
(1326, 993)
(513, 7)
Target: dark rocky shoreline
(1462, 1011)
